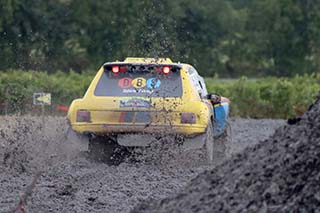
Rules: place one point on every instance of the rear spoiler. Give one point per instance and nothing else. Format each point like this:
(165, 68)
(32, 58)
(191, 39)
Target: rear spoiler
(110, 64)
(120, 67)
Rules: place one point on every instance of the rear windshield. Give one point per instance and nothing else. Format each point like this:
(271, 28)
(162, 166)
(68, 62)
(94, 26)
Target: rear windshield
(142, 83)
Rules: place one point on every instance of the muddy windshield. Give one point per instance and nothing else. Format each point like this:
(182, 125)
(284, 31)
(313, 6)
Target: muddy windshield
(123, 81)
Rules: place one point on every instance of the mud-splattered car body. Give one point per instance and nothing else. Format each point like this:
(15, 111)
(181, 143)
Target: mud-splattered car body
(221, 113)
(138, 97)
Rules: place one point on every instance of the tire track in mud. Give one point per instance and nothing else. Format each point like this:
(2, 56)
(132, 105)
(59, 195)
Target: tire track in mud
(73, 183)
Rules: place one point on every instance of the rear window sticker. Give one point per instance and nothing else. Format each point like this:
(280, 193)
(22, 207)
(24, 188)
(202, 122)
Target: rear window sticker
(153, 83)
(125, 83)
(139, 82)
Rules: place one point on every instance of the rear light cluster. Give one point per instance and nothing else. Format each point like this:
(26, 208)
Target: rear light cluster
(188, 118)
(117, 69)
(83, 116)
(166, 70)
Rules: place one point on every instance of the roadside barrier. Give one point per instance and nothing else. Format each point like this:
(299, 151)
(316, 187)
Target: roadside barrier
(62, 108)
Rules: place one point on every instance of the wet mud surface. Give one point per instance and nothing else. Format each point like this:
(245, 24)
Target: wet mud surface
(71, 182)
(280, 174)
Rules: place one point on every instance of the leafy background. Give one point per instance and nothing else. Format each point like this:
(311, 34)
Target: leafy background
(231, 38)
(54, 46)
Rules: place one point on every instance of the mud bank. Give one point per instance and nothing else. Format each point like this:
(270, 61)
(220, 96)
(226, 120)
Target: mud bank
(71, 182)
(281, 174)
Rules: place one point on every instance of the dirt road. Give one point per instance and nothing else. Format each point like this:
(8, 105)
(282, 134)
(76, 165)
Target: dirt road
(70, 182)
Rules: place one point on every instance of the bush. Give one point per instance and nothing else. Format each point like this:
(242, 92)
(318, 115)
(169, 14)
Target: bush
(268, 97)
(256, 98)
(17, 88)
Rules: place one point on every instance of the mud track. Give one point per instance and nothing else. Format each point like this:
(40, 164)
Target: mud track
(281, 174)
(71, 182)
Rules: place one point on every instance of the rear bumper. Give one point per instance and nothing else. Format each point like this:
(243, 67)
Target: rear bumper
(105, 129)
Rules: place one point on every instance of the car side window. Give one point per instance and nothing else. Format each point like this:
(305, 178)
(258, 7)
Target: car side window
(196, 82)
(200, 85)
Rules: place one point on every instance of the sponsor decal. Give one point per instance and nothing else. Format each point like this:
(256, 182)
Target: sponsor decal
(139, 103)
(125, 83)
(139, 85)
(137, 91)
(139, 82)
(153, 83)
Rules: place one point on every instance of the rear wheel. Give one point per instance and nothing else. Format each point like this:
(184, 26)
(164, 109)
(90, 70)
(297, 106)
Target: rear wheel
(106, 150)
(224, 142)
(215, 147)
(220, 148)
(209, 143)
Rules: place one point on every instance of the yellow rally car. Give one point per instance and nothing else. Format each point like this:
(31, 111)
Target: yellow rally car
(130, 103)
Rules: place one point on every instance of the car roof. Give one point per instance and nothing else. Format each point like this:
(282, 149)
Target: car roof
(148, 60)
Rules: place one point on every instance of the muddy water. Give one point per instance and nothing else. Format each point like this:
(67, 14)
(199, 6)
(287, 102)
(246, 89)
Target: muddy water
(71, 182)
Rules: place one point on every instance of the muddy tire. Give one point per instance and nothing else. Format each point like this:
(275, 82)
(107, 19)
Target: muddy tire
(215, 147)
(78, 140)
(209, 144)
(103, 149)
(220, 148)
(223, 142)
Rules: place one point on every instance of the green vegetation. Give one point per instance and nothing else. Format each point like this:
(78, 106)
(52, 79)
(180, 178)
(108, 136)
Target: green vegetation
(17, 88)
(231, 38)
(261, 98)
(268, 97)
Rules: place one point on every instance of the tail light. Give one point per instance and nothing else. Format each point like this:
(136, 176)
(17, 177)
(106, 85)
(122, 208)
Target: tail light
(83, 116)
(166, 70)
(123, 69)
(115, 69)
(188, 118)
